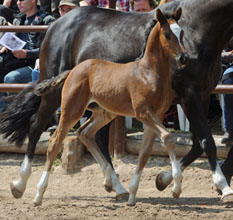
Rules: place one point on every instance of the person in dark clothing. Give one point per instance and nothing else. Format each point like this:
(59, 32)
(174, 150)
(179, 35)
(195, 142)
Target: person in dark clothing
(8, 9)
(30, 14)
(227, 79)
(51, 6)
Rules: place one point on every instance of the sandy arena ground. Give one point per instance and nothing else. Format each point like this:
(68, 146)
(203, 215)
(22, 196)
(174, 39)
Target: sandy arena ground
(81, 195)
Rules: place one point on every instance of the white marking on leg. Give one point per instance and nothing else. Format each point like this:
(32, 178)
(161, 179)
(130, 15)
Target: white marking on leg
(25, 172)
(133, 188)
(117, 187)
(177, 177)
(107, 171)
(166, 177)
(41, 187)
(220, 181)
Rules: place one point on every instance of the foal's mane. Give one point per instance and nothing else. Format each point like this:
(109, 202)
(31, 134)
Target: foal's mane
(147, 33)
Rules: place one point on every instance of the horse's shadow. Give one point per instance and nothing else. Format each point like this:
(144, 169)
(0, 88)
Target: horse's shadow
(187, 204)
(15, 159)
(159, 161)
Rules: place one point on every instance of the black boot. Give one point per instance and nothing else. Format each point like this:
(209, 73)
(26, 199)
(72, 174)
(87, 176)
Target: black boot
(228, 137)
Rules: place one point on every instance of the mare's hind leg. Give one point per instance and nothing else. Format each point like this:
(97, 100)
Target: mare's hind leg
(37, 126)
(87, 133)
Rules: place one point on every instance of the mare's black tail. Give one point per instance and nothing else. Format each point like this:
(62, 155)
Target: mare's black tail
(15, 120)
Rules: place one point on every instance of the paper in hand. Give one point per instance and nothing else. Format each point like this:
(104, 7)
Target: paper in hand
(12, 42)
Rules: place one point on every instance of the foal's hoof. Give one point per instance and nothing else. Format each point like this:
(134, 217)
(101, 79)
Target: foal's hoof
(15, 192)
(108, 188)
(176, 195)
(227, 199)
(131, 204)
(36, 203)
(219, 191)
(122, 197)
(159, 183)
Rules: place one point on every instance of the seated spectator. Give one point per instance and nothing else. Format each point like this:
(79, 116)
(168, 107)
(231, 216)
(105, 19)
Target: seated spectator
(18, 66)
(142, 5)
(122, 5)
(12, 5)
(67, 5)
(8, 9)
(51, 6)
(3, 22)
(227, 79)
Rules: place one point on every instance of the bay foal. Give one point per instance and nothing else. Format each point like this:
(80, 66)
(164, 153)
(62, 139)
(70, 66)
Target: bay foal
(140, 89)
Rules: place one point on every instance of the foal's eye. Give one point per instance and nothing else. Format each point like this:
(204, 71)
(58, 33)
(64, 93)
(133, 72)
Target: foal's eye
(167, 35)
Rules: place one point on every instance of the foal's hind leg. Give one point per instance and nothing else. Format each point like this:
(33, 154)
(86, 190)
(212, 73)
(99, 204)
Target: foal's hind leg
(72, 109)
(55, 143)
(87, 133)
(37, 126)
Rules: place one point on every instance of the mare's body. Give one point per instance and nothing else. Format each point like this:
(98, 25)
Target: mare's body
(120, 37)
(140, 89)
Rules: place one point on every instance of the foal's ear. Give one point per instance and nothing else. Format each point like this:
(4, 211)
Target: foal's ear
(160, 17)
(177, 14)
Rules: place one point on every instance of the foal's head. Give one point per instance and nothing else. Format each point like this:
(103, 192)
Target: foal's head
(171, 38)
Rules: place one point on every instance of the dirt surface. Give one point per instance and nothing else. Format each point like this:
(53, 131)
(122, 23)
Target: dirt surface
(81, 195)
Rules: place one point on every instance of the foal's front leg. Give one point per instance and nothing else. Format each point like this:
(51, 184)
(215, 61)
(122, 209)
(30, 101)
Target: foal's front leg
(203, 141)
(169, 143)
(164, 178)
(155, 127)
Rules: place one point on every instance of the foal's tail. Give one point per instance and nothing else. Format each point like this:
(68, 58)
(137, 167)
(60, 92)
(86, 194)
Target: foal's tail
(47, 86)
(15, 120)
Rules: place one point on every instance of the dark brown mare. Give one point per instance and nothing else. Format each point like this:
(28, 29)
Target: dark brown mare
(140, 89)
(90, 32)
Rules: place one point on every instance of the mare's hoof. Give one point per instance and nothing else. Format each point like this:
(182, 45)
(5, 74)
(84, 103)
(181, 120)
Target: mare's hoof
(122, 197)
(108, 188)
(227, 199)
(15, 192)
(159, 183)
